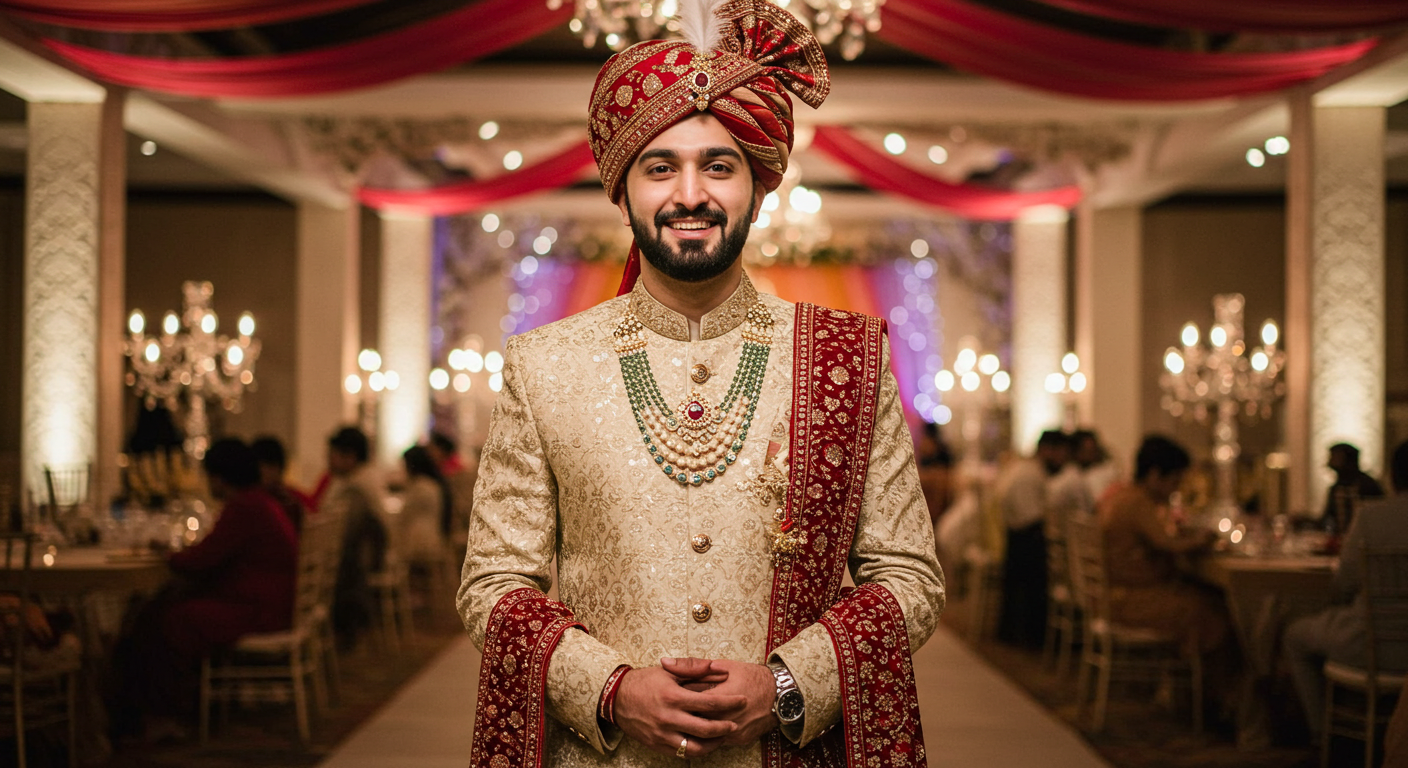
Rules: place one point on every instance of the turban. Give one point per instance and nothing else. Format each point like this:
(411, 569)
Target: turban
(742, 79)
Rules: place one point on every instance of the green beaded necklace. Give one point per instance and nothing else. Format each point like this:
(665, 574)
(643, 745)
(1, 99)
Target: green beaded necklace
(695, 442)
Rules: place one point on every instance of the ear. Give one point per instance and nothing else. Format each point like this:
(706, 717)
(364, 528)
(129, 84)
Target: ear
(759, 192)
(625, 205)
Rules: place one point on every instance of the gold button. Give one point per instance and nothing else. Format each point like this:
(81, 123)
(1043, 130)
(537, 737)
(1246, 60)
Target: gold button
(702, 612)
(701, 543)
(699, 373)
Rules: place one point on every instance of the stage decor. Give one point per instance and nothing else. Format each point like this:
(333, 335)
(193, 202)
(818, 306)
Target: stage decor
(553, 172)
(559, 267)
(472, 32)
(996, 44)
(171, 15)
(876, 170)
(1307, 17)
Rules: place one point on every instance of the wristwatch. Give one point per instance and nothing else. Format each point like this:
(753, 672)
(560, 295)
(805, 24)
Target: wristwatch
(788, 706)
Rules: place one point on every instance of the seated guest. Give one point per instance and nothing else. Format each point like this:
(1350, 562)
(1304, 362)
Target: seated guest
(1338, 633)
(238, 580)
(1352, 485)
(426, 502)
(1022, 496)
(273, 465)
(1141, 546)
(355, 492)
(460, 476)
(1096, 468)
(935, 471)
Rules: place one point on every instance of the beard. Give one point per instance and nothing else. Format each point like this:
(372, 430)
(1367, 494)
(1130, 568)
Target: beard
(695, 262)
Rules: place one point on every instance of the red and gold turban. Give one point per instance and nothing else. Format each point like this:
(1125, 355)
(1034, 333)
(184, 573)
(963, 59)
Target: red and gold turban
(762, 53)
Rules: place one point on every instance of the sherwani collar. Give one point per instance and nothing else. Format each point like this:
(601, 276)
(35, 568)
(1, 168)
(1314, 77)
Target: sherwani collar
(715, 323)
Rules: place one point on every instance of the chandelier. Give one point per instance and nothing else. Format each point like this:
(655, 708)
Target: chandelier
(789, 225)
(194, 363)
(620, 23)
(1225, 378)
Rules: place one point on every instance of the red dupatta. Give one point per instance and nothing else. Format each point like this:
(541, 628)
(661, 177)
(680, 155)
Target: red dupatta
(836, 370)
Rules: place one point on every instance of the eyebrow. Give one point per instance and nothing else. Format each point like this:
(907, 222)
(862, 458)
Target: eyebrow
(705, 154)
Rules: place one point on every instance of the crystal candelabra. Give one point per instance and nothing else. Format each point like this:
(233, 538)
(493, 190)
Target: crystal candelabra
(619, 23)
(1067, 384)
(473, 379)
(976, 383)
(1225, 379)
(367, 386)
(194, 363)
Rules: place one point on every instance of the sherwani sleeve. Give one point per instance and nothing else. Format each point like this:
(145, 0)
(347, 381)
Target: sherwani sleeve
(512, 542)
(893, 547)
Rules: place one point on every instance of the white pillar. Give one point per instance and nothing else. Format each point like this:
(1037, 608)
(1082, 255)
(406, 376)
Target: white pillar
(112, 296)
(1108, 324)
(1038, 321)
(1341, 275)
(61, 293)
(407, 248)
(328, 331)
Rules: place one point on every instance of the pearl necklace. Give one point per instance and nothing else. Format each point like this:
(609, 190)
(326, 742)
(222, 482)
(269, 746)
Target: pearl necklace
(695, 442)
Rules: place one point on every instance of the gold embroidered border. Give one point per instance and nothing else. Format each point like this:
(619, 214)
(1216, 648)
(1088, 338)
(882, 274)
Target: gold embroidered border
(715, 323)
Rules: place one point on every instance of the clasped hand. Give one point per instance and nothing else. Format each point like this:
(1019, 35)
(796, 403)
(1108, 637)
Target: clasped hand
(710, 703)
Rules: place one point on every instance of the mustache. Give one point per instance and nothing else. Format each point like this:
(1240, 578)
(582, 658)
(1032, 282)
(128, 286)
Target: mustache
(702, 213)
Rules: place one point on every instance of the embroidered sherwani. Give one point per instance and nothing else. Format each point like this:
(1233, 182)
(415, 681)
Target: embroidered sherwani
(652, 567)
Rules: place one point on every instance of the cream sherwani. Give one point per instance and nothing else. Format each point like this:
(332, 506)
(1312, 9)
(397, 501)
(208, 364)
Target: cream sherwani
(565, 475)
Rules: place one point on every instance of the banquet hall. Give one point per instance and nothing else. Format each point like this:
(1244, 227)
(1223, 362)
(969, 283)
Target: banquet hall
(303, 233)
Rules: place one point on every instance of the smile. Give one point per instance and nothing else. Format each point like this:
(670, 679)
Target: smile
(691, 225)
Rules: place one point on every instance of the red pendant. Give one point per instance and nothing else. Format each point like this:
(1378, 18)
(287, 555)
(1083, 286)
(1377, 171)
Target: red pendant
(694, 411)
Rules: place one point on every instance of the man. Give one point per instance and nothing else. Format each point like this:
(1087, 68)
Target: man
(703, 462)
(356, 493)
(1022, 494)
(1096, 469)
(1141, 548)
(1338, 633)
(273, 465)
(460, 476)
(1352, 485)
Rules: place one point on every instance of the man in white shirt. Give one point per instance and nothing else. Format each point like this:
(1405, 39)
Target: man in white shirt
(1022, 494)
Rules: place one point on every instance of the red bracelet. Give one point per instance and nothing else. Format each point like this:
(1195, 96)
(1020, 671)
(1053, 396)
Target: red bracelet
(606, 710)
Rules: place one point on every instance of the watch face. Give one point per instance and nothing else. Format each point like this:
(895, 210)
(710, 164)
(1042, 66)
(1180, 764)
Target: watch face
(789, 707)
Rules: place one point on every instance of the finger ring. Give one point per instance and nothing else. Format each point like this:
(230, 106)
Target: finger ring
(684, 745)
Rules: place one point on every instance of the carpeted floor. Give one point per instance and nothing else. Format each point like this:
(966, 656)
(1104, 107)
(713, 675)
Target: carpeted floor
(265, 734)
(1140, 732)
(1143, 733)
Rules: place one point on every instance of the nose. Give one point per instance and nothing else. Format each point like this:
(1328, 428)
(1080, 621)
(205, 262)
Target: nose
(689, 192)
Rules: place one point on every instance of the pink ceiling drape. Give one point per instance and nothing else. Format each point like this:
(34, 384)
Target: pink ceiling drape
(470, 33)
(552, 172)
(880, 172)
(1000, 45)
(1290, 16)
(171, 15)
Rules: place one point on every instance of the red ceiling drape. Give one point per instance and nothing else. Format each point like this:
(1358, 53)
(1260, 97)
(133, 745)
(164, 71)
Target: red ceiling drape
(1290, 16)
(170, 15)
(475, 31)
(553, 172)
(880, 172)
(1000, 45)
